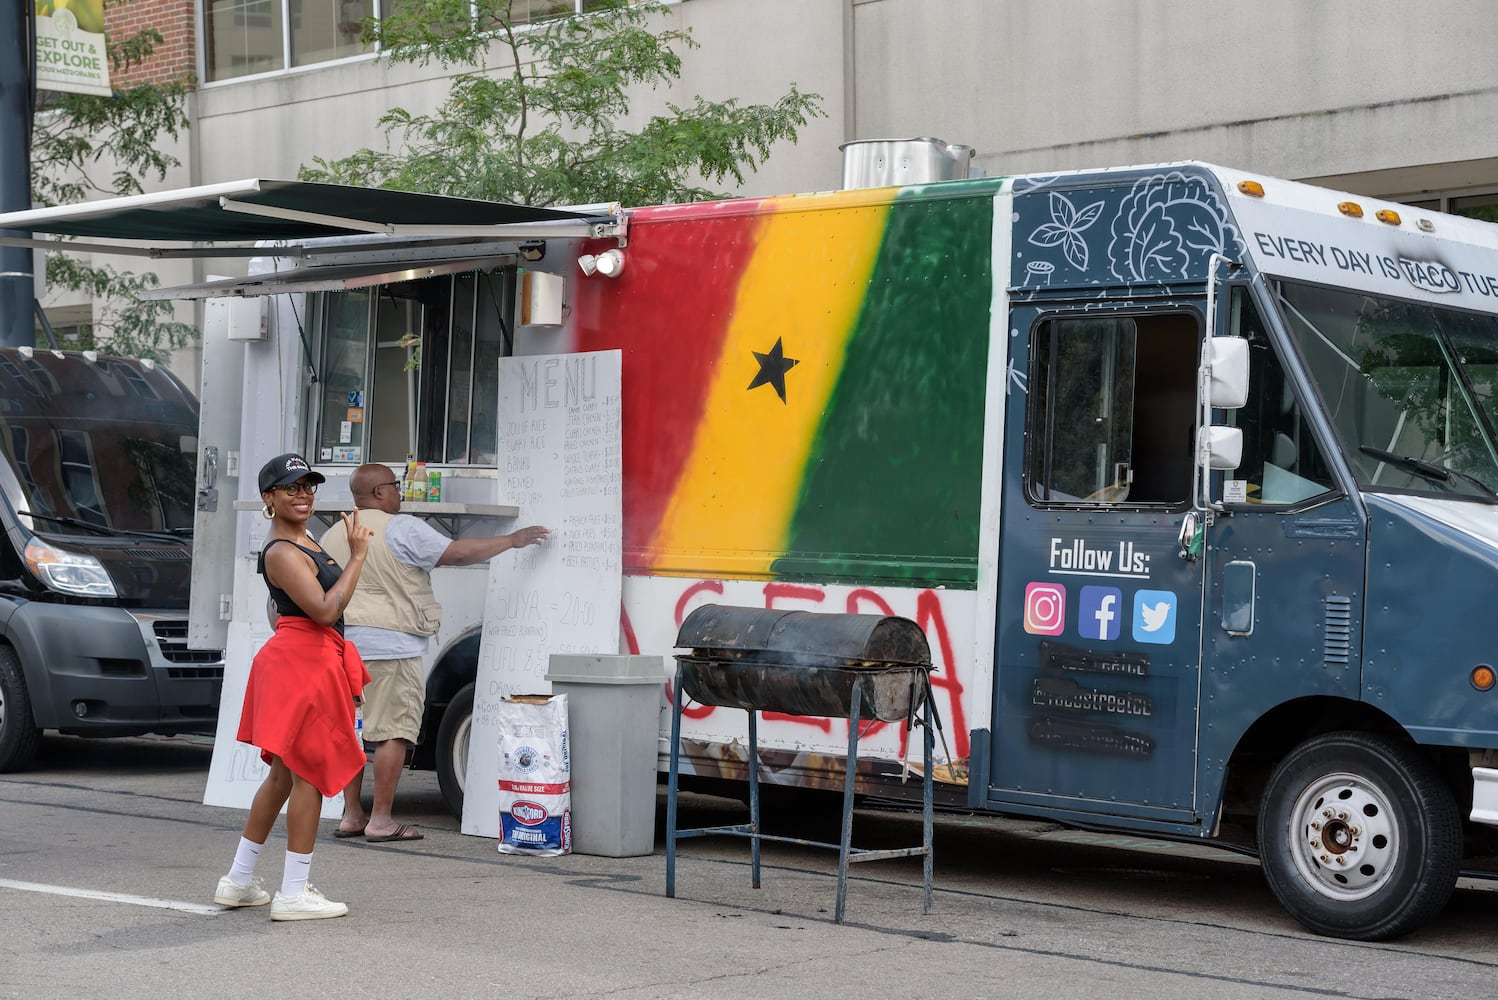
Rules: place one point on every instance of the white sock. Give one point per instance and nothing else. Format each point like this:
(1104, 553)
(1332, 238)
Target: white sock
(295, 879)
(245, 857)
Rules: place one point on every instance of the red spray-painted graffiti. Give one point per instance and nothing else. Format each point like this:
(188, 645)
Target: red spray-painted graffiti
(929, 615)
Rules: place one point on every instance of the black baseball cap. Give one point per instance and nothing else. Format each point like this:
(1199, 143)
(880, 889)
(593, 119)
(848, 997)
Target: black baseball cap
(284, 469)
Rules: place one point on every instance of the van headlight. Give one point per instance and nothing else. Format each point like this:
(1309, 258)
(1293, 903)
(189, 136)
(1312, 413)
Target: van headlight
(68, 572)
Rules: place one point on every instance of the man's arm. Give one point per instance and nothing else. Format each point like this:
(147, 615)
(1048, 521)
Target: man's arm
(467, 551)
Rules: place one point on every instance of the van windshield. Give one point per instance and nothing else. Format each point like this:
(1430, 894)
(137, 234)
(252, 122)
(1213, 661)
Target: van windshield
(1408, 386)
(96, 446)
(93, 477)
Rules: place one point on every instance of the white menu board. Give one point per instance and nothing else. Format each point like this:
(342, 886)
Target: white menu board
(559, 462)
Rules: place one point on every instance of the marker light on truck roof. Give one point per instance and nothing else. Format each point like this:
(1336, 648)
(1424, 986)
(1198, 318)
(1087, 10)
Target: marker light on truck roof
(1251, 188)
(1387, 215)
(75, 573)
(1483, 677)
(1350, 208)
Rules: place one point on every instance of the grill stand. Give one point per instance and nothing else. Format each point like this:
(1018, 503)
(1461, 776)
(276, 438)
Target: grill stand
(847, 854)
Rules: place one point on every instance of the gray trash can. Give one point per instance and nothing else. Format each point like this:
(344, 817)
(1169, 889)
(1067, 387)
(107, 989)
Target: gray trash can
(613, 723)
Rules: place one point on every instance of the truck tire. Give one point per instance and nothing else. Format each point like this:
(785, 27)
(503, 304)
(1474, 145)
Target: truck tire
(19, 738)
(452, 749)
(1359, 838)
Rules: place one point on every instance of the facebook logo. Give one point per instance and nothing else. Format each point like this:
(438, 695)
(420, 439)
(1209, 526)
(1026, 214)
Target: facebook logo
(1098, 614)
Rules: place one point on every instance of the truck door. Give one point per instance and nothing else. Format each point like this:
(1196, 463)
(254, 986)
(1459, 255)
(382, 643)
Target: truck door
(1097, 662)
(220, 396)
(1284, 559)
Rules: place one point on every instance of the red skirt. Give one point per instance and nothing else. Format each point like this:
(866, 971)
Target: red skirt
(299, 703)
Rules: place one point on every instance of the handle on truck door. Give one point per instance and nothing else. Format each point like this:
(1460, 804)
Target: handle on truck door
(208, 495)
(1190, 537)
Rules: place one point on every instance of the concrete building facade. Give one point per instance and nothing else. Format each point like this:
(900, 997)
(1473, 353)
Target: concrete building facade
(1379, 97)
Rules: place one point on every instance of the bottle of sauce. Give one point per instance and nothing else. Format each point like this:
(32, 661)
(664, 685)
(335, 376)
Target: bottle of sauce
(408, 484)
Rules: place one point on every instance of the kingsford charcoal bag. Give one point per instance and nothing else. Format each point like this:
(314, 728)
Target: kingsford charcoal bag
(535, 776)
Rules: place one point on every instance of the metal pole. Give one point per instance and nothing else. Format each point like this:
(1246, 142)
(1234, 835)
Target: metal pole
(928, 739)
(16, 286)
(677, 694)
(850, 776)
(755, 827)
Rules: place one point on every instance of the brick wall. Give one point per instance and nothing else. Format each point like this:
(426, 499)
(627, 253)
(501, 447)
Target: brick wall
(176, 21)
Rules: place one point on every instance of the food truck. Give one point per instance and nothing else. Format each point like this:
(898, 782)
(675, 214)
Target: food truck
(1188, 474)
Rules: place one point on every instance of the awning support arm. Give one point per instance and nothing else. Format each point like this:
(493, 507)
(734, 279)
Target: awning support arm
(316, 218)
(164, 253)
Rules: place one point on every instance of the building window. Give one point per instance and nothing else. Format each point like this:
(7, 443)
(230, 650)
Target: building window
(1471, 204)
(249, 37)
(412, 369)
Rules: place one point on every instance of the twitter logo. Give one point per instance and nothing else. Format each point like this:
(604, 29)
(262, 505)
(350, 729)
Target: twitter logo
(1155, 616)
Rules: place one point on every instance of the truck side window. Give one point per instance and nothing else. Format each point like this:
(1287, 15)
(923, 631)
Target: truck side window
(1112, 409)
(1281, 462)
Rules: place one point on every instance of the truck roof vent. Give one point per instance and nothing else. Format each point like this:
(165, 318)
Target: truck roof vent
(885, 162)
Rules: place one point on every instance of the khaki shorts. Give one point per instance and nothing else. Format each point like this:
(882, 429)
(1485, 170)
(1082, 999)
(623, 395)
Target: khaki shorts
(393, 700)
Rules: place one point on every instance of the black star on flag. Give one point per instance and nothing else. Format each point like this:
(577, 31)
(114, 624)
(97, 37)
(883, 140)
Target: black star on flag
(772, 369)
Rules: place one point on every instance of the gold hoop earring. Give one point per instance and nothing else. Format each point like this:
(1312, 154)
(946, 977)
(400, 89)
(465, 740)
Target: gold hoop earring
(267, 513)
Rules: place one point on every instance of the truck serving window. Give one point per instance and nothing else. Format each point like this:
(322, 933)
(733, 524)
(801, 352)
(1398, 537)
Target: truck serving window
(411, 368)
(1408, 387)
(1112, 413)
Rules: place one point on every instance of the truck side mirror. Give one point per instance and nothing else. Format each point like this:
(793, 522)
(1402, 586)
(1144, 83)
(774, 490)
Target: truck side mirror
(1220, 447)
(1227, 374)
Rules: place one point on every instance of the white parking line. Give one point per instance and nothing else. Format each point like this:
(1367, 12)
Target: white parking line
(112, 897)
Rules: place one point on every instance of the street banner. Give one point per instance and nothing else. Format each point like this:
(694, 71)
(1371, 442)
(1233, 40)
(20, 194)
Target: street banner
(70, 52)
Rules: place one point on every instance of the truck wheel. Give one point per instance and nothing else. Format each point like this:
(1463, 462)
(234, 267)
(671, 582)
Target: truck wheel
(452, 749)
(1358, 837)
(19, 738)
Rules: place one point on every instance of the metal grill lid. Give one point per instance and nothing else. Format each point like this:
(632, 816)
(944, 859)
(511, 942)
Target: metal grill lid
(803, 638)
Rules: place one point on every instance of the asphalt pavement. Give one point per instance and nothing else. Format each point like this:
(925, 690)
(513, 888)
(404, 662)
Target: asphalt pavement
(108, 862)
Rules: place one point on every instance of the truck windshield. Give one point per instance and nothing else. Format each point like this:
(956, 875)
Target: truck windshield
(1408, 386)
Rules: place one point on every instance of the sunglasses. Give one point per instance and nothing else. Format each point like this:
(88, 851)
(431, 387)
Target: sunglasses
(394, 482)
(297, 489)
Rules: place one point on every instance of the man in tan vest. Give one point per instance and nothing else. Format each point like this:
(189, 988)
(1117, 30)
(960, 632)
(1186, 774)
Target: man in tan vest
(391, 619)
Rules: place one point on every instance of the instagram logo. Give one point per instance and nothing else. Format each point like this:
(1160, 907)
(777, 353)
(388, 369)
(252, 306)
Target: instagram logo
(1045, 608)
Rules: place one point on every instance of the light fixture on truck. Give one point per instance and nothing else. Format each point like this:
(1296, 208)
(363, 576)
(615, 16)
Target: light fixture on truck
(609, 263)
(68, 572)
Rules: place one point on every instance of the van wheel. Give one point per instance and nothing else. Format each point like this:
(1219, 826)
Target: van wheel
(19, 738)
(1359, 838)
(452, 749)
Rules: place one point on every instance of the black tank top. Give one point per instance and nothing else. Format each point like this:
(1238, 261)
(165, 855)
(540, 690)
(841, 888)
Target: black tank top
(328, 572)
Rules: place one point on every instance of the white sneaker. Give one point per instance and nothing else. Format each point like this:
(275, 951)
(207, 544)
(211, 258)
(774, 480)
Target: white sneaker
(232, 894)
(310, 905)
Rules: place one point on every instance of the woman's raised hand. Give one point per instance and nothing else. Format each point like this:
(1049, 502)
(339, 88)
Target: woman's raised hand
(358, 535)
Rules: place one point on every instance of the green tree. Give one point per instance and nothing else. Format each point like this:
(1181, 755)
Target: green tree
(537, 117)
(75, 137)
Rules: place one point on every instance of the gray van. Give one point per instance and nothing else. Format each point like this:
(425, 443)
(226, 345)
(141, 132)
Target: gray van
(96, 514)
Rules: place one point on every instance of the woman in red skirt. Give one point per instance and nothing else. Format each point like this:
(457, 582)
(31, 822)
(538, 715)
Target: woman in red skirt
(299, 702)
